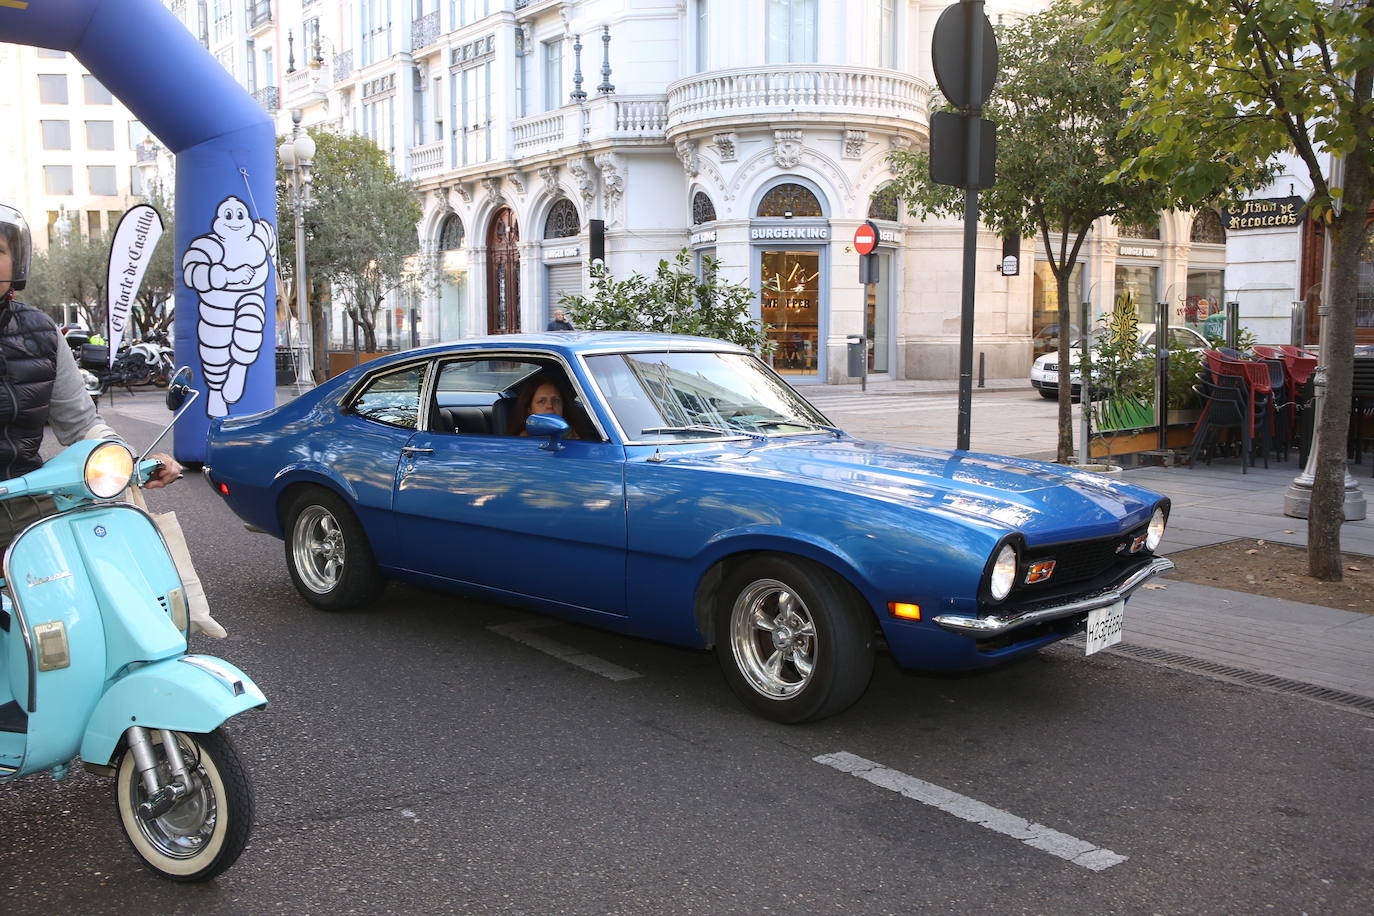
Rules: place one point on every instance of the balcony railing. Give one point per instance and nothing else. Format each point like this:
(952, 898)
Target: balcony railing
(640, 116)
(306, 86)
(812, 89)
(343, 65)
(424, 31)
(539, 133)
(268, 98)
(427, 159)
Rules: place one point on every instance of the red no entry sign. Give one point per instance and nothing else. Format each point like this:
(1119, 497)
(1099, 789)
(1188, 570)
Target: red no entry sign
(866, 238)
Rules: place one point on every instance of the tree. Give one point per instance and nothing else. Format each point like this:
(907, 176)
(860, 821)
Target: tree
(156, 303)
(1222, 86)
(1058, 115)
(673, 301)
(359, 231)
(72, 272)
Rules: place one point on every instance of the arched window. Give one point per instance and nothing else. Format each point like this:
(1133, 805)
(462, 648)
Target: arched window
(451, 234)
(1207, 228)
(1139, 230)
(883, 203)
(789, 200)
(703, 211)
(562, 221)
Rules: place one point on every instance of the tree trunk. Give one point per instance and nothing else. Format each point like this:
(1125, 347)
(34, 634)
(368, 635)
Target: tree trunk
(1064, 447)
(1327, 510)
(319, 345)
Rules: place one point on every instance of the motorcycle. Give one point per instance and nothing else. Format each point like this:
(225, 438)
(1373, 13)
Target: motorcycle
(156, 353)
(94, 661)
(142, 363)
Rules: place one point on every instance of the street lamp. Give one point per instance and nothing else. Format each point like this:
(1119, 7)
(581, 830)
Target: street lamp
(146, 157)
(297, 156)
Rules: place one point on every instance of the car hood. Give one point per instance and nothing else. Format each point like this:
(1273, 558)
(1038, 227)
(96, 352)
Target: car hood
(1043, 501)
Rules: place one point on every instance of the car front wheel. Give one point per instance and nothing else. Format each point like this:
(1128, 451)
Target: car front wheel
(327, 552)
(794, 640)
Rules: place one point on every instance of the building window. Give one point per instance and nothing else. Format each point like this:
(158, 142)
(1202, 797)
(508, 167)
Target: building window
(703, 211)
(136, 186)
(553, 74)
(93, 228)
(789, 200)
(1207, 228)
(884, 204)
(701, 35)
(96, 94)
(451, 233)
(466, 11)
(884, 39)
(562, 221)
(1139, 230)
(100, 135)
(791, 31)
(52, 88)
(102, 180)
(137, 133)
(51, 54)
(1205, 289)
(476, 95)
(57, 134)
(57, 179)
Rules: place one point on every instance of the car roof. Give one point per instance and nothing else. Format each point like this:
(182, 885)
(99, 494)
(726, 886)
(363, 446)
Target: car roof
(578, 342)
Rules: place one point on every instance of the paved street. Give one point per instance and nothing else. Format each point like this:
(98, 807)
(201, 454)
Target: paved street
(437, 755)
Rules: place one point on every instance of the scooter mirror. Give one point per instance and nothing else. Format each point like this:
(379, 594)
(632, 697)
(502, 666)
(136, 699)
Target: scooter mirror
(179, 388)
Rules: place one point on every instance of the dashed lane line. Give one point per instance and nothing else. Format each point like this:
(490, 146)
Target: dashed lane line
(521, 633)
(1046, 839)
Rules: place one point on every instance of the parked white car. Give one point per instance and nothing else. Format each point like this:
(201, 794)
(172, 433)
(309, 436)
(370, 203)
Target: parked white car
(1044, 374)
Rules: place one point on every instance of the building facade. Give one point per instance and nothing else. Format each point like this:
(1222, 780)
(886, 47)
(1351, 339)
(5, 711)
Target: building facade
(753, 131)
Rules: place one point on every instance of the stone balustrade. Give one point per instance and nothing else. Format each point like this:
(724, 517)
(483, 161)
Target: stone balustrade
(427, 159)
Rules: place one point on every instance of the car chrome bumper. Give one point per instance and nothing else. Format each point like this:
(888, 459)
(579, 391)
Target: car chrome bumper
(986, 627)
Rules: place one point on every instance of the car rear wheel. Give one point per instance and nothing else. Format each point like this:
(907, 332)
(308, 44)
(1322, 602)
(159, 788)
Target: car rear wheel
(1049, 395)
(794, 640)
(327, 552)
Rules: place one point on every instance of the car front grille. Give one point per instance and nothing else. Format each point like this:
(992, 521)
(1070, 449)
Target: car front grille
(1081, 561)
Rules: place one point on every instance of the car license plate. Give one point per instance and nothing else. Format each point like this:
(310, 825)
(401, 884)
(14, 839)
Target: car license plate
(1104, 627)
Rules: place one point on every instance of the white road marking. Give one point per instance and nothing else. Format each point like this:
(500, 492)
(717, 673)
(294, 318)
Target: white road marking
(1077, 851)
(520, 632)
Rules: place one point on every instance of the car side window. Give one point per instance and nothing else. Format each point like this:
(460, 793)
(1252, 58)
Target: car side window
(394, 397)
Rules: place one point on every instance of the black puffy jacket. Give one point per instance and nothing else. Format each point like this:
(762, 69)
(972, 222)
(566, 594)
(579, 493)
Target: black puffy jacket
(28, 368)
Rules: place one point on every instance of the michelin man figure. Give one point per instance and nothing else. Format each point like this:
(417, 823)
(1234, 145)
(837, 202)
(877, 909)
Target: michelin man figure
(229, 267)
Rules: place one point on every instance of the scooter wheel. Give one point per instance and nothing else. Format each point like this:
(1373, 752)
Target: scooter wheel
(204, 832)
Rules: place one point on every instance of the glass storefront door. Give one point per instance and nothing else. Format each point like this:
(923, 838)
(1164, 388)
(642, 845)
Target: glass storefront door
(791, 304)
(1142, 282)
(878, 315)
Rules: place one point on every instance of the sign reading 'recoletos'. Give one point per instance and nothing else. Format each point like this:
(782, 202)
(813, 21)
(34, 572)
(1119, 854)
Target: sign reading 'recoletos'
(1264, 213)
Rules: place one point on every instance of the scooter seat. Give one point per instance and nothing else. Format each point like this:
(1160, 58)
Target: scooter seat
(13, 718)
(4, 620)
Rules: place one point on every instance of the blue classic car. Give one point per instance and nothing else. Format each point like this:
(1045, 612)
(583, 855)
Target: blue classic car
(675, 488)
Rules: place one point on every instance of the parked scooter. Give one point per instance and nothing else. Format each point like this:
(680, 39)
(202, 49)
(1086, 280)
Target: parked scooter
(93, 661)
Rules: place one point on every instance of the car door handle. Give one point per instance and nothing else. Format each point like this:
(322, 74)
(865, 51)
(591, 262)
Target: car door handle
(413, 450)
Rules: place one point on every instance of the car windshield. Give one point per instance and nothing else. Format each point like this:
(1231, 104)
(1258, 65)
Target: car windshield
(670, 397)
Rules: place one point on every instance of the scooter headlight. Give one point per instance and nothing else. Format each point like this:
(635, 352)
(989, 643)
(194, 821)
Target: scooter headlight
(109, 467)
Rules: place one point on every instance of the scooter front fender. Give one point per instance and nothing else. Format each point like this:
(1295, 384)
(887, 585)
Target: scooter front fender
(192, 693)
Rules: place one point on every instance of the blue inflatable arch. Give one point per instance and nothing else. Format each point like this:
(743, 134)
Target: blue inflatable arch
(226, 213)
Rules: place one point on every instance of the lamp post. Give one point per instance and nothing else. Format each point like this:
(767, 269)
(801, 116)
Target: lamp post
(297, 156)
(146, 156)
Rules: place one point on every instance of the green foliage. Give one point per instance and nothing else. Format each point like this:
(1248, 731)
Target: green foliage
(359, 227)
(673, 301)
(71, 272)
(1120, 367)
(1184, 365)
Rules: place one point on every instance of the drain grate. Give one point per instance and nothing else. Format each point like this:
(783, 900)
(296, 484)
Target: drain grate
(1352, 701)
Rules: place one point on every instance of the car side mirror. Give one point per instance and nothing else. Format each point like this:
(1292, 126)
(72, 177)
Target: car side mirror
(547, 426)
(179, 388)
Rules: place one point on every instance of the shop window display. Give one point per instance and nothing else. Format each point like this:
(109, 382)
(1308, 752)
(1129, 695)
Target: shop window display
(791, 308)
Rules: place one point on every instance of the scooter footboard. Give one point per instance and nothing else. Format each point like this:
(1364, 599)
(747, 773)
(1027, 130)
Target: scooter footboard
(192, 693)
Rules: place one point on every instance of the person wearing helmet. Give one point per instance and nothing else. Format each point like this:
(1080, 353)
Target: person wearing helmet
(39, 383)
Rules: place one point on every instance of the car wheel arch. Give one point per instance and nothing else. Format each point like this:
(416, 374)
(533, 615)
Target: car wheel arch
(289, 490)
(709, 585)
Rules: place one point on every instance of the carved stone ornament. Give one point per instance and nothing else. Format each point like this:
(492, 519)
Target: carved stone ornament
(493, 189)
(787, 148)
(900, 142)
(549, 175)
(687, 152)
(517, 181)
(441, 198)
(463, 191)
(611, 177)
(580, 169)
(854, 142)
(725, 145)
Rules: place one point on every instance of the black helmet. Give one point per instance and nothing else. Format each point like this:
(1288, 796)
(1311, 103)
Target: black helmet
(16, 231)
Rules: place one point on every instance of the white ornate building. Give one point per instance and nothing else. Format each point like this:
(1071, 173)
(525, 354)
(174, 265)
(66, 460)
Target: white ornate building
(756, 131)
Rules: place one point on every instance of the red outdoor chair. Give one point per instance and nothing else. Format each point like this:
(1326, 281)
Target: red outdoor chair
(1259, 395)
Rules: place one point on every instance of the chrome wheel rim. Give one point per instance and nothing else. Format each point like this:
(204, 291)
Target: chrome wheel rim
(317, 547)
(773, 638)
(184, 831)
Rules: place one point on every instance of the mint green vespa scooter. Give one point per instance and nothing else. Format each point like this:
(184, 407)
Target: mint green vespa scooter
(93, 661)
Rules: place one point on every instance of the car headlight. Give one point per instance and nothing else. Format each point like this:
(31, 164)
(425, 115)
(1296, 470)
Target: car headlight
(109, 468)
(1155, 533)
(1003, 574)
